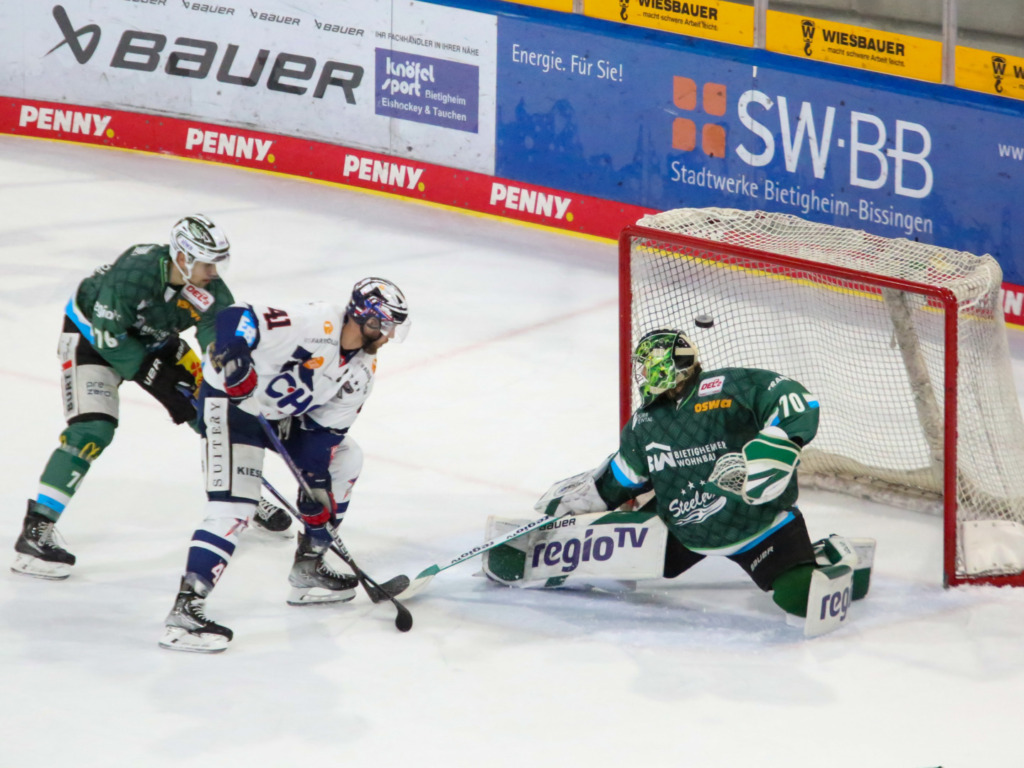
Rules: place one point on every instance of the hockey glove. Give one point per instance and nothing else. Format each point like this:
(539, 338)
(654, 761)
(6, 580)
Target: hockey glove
(319, 511)
(771, 460)
(761, 473)
(234, 361)
(168, 383)
(576, 495)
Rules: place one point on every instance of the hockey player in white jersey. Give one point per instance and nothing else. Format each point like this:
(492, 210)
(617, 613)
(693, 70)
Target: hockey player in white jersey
(308, 369)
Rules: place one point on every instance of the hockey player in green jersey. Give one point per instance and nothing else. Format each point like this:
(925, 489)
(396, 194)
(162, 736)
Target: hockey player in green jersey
(122, 323)
(719, 450)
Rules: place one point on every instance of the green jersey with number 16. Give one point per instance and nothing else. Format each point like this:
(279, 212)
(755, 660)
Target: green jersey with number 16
(127, 307)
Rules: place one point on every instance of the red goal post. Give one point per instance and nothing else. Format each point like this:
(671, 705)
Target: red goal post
(903, 343)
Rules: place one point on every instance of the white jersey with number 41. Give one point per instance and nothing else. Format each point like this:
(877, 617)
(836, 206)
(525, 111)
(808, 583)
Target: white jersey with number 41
(300, 365)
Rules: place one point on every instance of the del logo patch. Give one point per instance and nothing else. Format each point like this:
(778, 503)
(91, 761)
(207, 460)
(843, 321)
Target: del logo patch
(197, 297)
(711, 386)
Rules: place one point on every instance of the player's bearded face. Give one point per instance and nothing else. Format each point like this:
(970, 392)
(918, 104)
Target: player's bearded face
(375, 337)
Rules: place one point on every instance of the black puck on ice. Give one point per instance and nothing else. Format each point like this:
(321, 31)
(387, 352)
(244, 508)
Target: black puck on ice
(704, 321)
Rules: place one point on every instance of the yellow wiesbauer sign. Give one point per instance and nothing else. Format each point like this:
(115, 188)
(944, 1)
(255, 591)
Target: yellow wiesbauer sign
(990, 72)
(553, 5)
(854, 46)
(713, 19)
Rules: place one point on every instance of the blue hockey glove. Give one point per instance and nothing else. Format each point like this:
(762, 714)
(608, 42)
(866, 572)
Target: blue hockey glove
(319, 511)
(234, 361)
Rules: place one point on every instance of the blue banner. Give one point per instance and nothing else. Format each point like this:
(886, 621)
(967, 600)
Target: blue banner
(628, 117)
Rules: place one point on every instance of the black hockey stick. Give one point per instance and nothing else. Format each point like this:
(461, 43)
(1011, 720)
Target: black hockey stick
(390, 588)
(403, 621)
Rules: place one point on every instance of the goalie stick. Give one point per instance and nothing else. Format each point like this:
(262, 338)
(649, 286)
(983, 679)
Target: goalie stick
(427, 574)
(403, 621)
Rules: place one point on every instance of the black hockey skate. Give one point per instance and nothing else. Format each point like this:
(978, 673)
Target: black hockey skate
(41, 551)
(272, 520)
(313, 580)
(188, 629)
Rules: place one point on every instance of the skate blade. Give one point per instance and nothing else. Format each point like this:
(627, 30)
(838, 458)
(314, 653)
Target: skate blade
(40, 569)
(266, 533)
(180, 639)
(315, 595)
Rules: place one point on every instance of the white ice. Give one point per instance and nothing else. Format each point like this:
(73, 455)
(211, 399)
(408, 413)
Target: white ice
(506, 383)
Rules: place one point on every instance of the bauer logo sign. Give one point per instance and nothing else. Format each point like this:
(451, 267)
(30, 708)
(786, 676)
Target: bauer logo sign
(427, 90)
(190, 56)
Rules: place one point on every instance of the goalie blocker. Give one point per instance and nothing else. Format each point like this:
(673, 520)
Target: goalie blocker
(610, 550)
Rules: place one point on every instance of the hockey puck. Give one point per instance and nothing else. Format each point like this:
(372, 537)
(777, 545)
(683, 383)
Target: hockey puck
(704, 321)
(403, 622)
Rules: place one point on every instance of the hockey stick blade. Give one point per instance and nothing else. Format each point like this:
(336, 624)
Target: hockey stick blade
(425, 576)
(390, 588)
(403, 621)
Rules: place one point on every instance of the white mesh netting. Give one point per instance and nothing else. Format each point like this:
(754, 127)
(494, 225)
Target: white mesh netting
(871, 349)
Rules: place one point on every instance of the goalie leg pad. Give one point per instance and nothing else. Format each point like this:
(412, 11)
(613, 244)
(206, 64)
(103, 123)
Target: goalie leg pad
(828, 599)
(858, 553)
(584, 549)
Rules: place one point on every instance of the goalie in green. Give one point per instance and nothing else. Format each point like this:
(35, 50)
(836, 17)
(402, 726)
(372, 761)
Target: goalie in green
(719, 450)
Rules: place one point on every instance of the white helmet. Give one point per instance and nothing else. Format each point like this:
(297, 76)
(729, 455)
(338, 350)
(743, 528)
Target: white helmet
(200, 240)
(381, 303)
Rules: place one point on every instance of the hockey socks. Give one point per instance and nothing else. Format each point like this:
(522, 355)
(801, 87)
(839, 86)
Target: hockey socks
(81, 443)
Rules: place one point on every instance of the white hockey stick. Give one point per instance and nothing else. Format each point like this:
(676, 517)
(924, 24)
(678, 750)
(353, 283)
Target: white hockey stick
(424, 577)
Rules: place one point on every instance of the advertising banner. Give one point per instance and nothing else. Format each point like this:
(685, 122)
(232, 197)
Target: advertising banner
(712, 19)
(302, 158)
(853, 46)
(419, 83)
(552, 5)
(669, 127)
(989, 72)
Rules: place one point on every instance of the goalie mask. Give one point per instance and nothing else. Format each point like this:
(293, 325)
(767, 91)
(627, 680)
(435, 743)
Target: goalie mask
(662, 361)
(379, 304)
(200, 240)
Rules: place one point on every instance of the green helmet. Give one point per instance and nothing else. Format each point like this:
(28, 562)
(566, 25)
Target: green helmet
(662, 361)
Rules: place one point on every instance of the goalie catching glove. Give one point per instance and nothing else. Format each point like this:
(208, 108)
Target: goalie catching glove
(576, 495)
(761, 472)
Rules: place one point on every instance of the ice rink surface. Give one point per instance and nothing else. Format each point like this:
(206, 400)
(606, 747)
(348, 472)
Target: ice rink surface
(506, 383)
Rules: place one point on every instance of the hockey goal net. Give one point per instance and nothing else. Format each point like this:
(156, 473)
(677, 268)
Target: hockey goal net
(903, 343)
